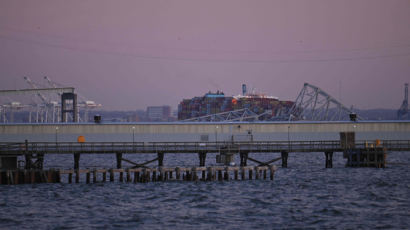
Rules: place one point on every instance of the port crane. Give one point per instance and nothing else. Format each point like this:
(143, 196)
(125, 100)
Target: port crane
(83, 103)
(47, 105)
(17, 105)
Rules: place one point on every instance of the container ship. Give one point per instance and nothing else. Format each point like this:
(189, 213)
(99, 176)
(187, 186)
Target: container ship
(214, 103)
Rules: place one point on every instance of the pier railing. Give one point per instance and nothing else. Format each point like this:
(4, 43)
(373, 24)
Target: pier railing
(19, 148)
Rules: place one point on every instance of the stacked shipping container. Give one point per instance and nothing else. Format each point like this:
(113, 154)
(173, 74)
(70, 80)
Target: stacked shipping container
(212, 103)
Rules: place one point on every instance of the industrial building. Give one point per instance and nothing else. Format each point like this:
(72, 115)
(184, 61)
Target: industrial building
(158, 113)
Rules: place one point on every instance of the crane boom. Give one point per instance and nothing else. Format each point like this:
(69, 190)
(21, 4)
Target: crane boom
(41, 96)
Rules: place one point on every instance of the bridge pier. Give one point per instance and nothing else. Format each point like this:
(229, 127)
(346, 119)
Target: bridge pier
(202, 158)
(28, 161)
(329, 159)
(27, 156)
(284, 156)
(244, 158)
(160, 159)
(119, 160)
(76, 160)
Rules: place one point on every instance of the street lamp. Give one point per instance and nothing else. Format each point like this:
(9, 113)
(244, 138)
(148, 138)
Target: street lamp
(56, 134)
(133, 135)
(216, 134)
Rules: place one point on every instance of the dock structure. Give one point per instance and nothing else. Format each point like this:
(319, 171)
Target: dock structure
(247, 140)
(358, 154)
(139, 175)
(37, 150)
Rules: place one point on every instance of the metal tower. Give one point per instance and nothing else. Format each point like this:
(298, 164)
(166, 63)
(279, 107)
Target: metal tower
(403, 112)
(316, 105)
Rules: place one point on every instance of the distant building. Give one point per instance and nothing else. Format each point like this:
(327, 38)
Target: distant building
(159, 113)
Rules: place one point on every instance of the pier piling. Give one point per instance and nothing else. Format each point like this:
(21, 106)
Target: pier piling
(214, 173)
(284, 156)
(160, 159)
(329, 159)
(202, 158)
(76, 160)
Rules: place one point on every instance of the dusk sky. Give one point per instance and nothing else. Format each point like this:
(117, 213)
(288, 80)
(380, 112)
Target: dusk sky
(131, 54)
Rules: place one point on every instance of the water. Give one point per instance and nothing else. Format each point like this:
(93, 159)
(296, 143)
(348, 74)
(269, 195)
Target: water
(305, 195)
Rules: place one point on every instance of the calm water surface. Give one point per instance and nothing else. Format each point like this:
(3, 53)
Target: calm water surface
(303, 196)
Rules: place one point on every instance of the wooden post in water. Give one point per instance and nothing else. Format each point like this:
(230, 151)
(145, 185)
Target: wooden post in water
(194, 174)
(209, 172)
(28, 160)
(244, 158)
(33, 176)
(284, 156)
(70, 177)
(136, 176)
(104, 176)
(15, 177)
(329, 159)
(166, 175)
(76, 160)
(26, 177)
(243, 173)
(236, 174)
(143, 176)
(160, 159)
(154, 176)
(121, 176)
(148, 171)
(203, 175)
(118, 156)
(57, 176)
(128, 176)
(178, 173)
(250, 174)
(94, 176)
(202, 158)
(226, 174)
(257, 173)
(272, 171)
(111, 175)
(9, 177)
(50, 176)
(77, 176)
(88, 177)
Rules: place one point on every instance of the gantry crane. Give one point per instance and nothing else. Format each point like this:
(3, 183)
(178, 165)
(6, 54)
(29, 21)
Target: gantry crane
(47, 104)
(83, 103)
(18, 105)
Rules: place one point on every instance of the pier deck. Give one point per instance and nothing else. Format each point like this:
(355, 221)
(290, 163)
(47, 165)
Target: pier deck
(360, 154)
(22, 148)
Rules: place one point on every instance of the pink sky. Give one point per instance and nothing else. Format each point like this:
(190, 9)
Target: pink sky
(131, 54)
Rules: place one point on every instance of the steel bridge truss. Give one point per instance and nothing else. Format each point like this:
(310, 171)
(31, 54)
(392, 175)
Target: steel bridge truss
(316, 105)
(235, 115)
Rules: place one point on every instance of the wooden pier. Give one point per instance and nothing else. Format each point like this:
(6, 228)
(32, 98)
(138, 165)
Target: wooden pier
(34, 152)
(358, 154)
(139, 175)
